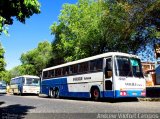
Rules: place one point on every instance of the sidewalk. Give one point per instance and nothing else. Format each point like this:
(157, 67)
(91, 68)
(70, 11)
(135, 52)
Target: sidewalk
(152, 94)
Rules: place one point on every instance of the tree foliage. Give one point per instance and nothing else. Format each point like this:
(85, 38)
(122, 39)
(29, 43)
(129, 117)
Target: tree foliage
(92, 27)
(37, 59)
(2, 62)
(21, 9)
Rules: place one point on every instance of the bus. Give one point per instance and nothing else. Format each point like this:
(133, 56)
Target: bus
(3, 87)
(26, 84)
(108, 75)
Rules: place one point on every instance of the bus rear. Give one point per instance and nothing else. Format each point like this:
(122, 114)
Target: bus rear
(31, 85)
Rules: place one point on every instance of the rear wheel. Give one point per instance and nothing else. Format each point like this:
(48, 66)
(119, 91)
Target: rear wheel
(95, 94)
(20, 93)
(52, 93)
(56, 93)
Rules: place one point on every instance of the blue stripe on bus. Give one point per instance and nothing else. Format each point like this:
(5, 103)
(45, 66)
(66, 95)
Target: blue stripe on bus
(108, 94)
(61, 83)
(130, 93)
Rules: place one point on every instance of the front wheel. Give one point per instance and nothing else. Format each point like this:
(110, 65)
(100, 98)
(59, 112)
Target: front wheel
(95, 94)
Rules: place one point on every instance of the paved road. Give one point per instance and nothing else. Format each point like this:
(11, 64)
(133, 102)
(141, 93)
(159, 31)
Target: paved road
(37, 106)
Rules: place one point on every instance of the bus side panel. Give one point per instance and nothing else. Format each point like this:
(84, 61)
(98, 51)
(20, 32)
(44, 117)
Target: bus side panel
(108, 94)
(80, 85)
(75, 86)
(60, 83)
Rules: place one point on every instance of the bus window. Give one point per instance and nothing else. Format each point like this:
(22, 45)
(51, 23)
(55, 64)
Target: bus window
(51, 73)
(136, 67)
(99, 64)
(83, 67)
(32, 81)
(58, 72)
(123, 67)
(93, 65)
(65, 70)
(108, 68)
(45, 74)
(74, 69)
(96, 65)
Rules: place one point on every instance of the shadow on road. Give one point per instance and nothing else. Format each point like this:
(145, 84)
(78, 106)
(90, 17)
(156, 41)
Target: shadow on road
(109, 100)
(14, 111)
(26, 94)
(2, 103)
(120, 100)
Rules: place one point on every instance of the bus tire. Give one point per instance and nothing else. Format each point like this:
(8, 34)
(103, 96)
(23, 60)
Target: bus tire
(95, 94)
(57, 93)
(21, 94)
(52, 93)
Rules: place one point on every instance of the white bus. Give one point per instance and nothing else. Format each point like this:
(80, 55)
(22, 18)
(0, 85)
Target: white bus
(108, 75)
(25, 84)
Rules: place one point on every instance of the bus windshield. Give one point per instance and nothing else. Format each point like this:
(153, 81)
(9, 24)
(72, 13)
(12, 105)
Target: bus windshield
(2, 85)
(32, 81)
(126, 66)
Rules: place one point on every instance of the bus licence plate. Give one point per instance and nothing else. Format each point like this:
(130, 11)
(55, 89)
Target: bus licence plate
(134, 93)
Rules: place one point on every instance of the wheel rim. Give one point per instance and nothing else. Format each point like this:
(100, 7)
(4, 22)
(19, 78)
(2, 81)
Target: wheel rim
(95, 93)
(57, 94)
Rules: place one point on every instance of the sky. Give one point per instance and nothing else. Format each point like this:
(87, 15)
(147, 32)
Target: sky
(25, 37)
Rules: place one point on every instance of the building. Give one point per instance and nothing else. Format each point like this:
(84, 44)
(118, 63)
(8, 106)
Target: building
(149, 73)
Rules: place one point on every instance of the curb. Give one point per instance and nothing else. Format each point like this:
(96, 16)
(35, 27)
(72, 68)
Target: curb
(150, 99)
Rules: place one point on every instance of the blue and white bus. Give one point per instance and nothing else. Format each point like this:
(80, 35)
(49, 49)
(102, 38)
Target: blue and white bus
(25, 84)
(108, 75)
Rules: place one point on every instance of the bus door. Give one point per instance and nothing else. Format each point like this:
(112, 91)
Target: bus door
(108, 78)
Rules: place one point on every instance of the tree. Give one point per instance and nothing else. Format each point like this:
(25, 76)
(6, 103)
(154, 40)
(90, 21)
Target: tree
(37, 59)
(92, 27)
(2, 62)
(76, 31)
(7, 76)
(21, 9)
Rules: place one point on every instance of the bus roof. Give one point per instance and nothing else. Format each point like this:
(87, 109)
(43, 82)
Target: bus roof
(29, 76)
(91, 58)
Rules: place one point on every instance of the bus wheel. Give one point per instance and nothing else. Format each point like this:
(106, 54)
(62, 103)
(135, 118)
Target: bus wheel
(21, 94)
(56, 93)
(95, 94)
(52, 93)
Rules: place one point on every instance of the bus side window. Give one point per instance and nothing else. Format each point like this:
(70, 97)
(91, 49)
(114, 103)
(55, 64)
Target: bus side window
(83, 67)
(58, 72)
(74, 69)
(23, 81)
(108, 68)
(65, 71)
(99, 64)
(45, 74)
(93, 65)
(51, 73)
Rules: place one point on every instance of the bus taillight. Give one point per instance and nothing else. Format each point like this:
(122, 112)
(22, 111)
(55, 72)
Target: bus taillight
(123, 93)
